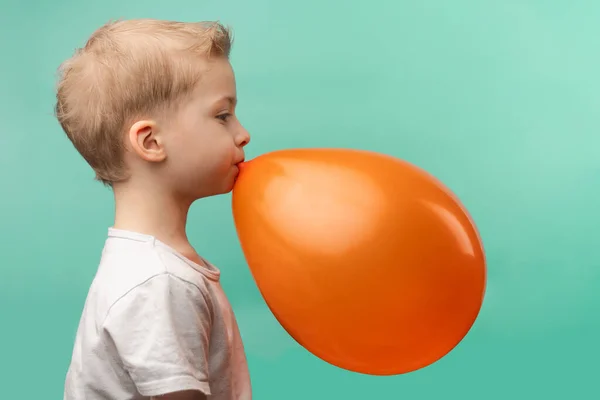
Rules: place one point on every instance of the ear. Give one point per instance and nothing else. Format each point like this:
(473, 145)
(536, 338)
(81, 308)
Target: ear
(146, 142)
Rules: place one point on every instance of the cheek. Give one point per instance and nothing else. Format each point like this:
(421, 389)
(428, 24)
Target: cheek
(225, 160)
(217, 159)
(225, 151)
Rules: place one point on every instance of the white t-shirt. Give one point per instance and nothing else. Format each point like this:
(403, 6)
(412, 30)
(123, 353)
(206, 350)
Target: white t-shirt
(155, 322)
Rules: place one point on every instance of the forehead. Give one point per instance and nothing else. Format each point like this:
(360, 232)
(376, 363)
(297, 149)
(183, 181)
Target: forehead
(217, 76)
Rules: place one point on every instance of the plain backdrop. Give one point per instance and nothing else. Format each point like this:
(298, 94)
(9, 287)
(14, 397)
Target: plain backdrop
(498, 99)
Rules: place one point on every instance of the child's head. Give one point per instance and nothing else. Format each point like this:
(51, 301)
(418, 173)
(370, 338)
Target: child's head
(153, 101)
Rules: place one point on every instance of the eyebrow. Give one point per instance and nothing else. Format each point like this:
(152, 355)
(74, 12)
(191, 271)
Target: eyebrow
(230, 99)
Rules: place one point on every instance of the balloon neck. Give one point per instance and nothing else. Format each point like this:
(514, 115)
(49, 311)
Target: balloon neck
(243, 165)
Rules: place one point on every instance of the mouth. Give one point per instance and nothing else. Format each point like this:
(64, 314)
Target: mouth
(239, 163)
(238, 166)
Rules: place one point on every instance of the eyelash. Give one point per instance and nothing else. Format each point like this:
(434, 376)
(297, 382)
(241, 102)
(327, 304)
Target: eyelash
(224, 117)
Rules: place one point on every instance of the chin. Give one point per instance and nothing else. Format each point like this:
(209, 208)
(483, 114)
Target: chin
(223, 186)
(226, 188)
(229, 188)
(231, 183)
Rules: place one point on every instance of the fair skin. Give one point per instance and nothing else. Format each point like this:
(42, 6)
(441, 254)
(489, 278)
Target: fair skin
(173, 160)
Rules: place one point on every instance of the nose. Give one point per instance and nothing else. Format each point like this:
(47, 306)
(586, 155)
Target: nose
(243, 137)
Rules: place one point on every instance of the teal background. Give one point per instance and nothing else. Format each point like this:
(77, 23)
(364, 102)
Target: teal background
(499, 99)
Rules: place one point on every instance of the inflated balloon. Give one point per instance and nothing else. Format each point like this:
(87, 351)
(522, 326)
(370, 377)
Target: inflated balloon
(367, 261)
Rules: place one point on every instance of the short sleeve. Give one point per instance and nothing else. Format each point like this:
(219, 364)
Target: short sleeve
(160, 330)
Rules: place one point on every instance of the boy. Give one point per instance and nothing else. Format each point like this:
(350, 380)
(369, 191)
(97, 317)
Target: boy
(150, 105)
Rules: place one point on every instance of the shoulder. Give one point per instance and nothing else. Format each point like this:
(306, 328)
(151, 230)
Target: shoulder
(130, 273)
(162, 294)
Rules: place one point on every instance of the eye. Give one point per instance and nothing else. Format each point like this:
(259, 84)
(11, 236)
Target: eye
(224, 117)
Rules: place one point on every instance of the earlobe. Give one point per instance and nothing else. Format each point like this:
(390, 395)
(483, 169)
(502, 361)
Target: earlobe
(145, 141)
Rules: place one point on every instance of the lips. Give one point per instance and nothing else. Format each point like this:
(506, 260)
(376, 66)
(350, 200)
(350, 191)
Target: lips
(239, 166)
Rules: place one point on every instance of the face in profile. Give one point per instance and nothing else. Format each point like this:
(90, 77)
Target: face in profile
(205, 140)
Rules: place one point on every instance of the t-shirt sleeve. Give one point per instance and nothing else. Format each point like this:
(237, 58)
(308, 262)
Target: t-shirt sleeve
(160, 331)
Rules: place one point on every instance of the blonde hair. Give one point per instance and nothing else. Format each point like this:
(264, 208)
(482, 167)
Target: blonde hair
(130, 69)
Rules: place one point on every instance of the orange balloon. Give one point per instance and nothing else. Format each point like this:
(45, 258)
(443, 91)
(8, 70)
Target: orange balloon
(367, 261)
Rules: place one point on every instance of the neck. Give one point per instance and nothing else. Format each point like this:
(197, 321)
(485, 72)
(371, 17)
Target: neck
(153, 212)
